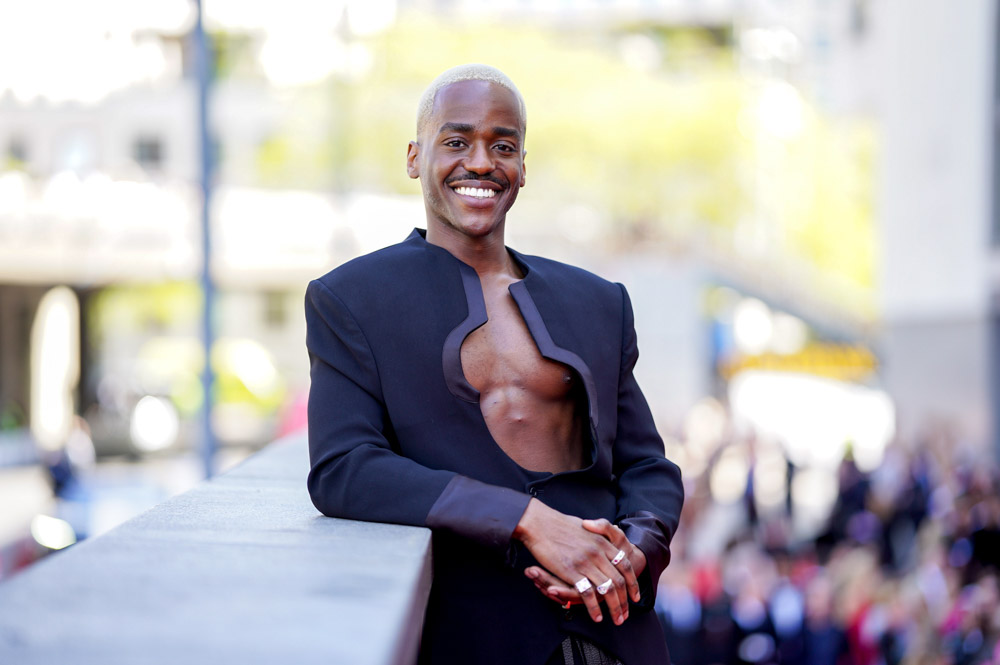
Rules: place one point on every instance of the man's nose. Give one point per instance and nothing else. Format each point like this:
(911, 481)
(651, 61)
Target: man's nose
(479, 159)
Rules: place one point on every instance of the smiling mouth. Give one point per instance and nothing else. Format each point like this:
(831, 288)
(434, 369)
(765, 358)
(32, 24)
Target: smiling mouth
(479, 193)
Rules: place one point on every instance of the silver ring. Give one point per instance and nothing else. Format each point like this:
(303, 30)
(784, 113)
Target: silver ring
(583, 585)
(604, 587)
(618, 558)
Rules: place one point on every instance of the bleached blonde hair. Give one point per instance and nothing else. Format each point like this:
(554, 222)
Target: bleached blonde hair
(470, 72)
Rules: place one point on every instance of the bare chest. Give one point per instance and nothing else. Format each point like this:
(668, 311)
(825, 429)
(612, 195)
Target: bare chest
(530, 404)
(502, 354)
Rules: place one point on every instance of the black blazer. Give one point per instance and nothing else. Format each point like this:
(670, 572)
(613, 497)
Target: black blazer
(396, 435)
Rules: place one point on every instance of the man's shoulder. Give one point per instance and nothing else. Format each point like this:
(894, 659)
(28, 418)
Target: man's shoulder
(558, 273)
(375, 267)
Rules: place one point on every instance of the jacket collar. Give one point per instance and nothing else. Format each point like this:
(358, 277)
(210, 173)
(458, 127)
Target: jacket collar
(520, 290)
(418, 236)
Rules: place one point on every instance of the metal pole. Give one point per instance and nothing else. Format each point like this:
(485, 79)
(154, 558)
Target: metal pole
(994, 309)
(203, 67)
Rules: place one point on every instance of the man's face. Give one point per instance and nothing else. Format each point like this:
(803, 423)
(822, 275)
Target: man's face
(469, 157)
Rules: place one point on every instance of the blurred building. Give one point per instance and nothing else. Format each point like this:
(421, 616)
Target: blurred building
(937, 95)
(98, 191)
(928, 76)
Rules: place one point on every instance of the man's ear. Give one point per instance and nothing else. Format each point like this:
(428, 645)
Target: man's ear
(524, 168)
(412, 163)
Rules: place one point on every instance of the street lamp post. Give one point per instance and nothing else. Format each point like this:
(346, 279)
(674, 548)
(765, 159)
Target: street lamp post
(203, 68)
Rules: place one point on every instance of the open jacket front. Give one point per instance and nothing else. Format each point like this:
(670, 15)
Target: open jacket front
(396, 435)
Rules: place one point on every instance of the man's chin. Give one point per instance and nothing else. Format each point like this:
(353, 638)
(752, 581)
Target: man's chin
(474, 226)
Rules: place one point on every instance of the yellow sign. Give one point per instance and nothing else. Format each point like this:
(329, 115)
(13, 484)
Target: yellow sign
(846, 362)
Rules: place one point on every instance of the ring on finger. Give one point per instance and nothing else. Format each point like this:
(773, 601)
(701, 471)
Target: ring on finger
(583, 585)
(618, 558)
(604, 587)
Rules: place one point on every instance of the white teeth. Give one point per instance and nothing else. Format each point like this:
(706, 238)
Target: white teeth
(477, 192)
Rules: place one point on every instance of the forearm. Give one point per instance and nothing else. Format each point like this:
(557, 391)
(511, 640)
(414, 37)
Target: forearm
(356, 471)
(372, 483)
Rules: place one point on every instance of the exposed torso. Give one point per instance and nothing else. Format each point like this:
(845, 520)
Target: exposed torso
(532, 405)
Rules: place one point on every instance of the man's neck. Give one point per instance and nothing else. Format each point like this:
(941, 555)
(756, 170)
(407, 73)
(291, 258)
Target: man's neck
(487, 255)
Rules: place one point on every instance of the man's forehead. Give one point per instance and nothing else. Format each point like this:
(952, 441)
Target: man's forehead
(474, 100)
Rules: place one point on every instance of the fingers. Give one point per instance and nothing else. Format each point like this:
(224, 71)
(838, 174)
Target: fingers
(604, 528)
(615, 596)
(560, 592)
(551, 586)
(589, 597)
(594, 564)
(575, 555)
(631, 579)
(625, 567)
(618, 539)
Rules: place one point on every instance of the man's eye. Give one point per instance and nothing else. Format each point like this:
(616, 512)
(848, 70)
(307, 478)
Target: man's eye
(503, 147)
(454, 143)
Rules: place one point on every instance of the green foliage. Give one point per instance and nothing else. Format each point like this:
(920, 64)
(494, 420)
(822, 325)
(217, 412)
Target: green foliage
(599, 132)
(145, 309)
(232, 54)
(835, 232)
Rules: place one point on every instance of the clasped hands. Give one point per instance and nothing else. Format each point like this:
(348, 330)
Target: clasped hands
(571, 550)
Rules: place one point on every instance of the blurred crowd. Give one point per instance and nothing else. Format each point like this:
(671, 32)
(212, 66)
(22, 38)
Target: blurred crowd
(903, 571)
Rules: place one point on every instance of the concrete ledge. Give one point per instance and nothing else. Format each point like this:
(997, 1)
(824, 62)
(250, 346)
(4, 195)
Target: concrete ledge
(240, 569)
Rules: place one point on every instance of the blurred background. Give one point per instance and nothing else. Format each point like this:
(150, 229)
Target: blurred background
(800, 196)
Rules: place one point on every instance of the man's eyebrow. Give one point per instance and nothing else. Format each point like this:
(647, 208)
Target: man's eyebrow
(460, 127)
(507, 131)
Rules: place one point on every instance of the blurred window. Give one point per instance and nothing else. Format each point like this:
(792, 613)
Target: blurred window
(17, 152)
(859, 18)
(275, 309)
(147, 151)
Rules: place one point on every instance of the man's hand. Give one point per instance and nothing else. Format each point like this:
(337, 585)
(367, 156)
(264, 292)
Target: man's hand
(635, 559)
(565, 594)
(569, 551)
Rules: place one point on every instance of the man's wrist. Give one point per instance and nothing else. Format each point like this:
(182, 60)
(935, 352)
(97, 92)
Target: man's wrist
(522, 529)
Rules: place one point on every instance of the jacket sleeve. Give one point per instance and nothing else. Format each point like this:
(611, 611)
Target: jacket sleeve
(355, 473)
(650, 492)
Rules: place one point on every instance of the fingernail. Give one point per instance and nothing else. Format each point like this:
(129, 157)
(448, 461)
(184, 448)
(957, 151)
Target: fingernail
(598, 618)
(532, 573)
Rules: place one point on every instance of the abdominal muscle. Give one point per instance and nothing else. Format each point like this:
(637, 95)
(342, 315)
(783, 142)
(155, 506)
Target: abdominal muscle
(531, 405)
(538, 434)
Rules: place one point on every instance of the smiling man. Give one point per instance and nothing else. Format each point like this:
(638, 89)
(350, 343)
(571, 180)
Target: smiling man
(489, 396)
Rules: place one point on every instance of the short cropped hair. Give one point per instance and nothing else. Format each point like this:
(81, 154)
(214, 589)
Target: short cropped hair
(470, 72)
